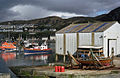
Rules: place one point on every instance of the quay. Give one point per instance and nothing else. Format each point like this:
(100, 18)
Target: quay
(5, 75)
(49, 72)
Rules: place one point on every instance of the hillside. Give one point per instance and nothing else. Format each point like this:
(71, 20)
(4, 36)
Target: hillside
(53, 21)
(113, 15)
(58, 23)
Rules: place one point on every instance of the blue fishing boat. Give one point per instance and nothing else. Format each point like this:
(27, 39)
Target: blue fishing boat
(34, 48)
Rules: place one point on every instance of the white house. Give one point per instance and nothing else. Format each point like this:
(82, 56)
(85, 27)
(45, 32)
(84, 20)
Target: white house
(44, 38)
(105, 34)
(52, 38)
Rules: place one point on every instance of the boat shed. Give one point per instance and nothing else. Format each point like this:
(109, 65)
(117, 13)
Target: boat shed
(105, 34)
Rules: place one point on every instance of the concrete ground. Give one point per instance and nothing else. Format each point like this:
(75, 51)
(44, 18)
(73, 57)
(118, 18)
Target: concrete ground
(4, 75)
(117, 61)
(49, 71)
(74, 73)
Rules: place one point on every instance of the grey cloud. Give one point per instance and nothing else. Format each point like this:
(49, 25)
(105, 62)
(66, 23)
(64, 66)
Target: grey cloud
(79, 6)
(30, 12)
(5, 5)
(84, 7)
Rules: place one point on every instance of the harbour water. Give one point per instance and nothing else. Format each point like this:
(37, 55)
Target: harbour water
(19, 59)
(12, 59)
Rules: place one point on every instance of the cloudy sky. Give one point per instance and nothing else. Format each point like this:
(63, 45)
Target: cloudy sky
(32, 9)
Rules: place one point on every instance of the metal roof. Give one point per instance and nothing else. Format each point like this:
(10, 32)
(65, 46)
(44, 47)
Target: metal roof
(86, 27)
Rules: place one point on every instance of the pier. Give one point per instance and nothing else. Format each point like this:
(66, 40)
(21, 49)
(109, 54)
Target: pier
(5, 75)
(49, 72)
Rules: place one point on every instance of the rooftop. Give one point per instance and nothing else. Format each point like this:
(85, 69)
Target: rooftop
(86, 27)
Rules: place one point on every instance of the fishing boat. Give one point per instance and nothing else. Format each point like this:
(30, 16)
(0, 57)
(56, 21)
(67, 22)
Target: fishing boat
(8, 46)
(91, 56)
(34, 48)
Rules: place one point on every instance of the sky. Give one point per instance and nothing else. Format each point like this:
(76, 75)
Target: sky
(34, 9)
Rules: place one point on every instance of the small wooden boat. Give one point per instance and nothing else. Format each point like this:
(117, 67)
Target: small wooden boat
(103, 62)
(91, 56)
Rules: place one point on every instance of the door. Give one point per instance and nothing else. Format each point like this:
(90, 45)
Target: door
(112, 43)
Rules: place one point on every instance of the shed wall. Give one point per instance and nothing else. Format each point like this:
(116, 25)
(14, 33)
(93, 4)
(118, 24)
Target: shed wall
(59, 43)
(71, 42)
(112, 33)
(85, 39)
(98, 39)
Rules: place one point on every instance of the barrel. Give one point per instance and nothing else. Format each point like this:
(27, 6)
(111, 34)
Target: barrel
(59, 68)
(56, 68)
(62, 69)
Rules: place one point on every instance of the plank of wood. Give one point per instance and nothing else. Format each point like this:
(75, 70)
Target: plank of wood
(73, 58)
(105, 67)
(96, 58)
(70, 60)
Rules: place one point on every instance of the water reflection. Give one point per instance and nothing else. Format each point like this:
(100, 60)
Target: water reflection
(19, 59)
(36, 57)
(8, 56)
(3, 67)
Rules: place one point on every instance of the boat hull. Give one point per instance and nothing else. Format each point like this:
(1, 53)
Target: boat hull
(93, 62)
(30, 52)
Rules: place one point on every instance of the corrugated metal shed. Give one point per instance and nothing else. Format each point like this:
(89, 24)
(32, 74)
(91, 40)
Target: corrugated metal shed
(86, 28)
(105, 34)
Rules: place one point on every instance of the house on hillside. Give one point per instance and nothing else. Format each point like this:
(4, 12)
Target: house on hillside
(105, 34)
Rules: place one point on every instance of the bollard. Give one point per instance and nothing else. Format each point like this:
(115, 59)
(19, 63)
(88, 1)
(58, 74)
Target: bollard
(56, 68)
(62, 69)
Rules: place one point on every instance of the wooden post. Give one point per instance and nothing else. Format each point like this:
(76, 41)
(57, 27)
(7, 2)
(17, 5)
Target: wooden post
(92, 38)
(77, 54)
(64, 48)
(56, 57)
(77, 40)
(64, 58)
(112, 55)
(77, 43)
